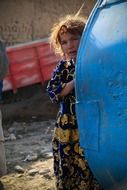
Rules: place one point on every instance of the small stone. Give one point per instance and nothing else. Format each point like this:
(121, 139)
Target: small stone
(43, 172)
(47, 176)
(19, 136)
(32, 172)
(19, 169)
(12, 137)
(32, 157)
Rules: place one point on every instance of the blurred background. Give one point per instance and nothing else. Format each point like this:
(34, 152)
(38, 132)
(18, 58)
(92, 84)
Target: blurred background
(28, 20)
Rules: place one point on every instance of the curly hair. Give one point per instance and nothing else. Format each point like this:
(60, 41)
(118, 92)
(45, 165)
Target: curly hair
(71, 24)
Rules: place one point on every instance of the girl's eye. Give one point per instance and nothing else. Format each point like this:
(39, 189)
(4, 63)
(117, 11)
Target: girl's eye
(76, 38)
(63, 42)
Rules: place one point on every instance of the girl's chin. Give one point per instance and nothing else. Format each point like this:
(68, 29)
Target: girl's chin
(69, 57)
(72, 57)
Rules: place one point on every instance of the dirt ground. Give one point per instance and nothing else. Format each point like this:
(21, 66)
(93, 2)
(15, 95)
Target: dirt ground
(28, 127)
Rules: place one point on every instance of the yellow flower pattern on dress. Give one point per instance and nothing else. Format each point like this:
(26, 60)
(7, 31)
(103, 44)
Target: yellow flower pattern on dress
(70, 167)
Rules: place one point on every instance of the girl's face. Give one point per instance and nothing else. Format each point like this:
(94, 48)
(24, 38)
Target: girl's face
(69, 45)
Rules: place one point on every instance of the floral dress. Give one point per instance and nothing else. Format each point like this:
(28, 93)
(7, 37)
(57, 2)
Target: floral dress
(70, 167)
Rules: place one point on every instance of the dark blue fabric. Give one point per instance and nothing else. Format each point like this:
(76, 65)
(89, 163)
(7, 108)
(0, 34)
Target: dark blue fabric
(1, 86)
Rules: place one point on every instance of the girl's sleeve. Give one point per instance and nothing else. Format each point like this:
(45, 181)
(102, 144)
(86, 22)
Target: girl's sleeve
(56, 84)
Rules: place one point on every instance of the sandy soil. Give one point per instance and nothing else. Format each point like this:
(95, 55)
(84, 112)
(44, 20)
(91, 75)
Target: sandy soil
(28, 122)
(30, 152)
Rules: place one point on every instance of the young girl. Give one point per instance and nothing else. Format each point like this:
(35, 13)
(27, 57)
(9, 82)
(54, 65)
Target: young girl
(70, 167)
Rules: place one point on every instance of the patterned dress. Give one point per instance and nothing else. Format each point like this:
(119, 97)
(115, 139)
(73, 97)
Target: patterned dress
(70, 167)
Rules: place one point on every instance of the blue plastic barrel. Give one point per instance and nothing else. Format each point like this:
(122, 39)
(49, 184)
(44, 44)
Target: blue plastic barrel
(101, 93)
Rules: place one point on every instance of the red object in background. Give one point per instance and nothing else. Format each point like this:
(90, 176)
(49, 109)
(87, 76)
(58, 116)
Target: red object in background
(29, 63)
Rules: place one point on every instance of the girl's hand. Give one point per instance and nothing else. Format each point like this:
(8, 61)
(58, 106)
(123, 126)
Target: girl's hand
(68, 88)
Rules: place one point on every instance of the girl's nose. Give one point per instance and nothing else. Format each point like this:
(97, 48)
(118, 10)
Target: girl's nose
(70, 44)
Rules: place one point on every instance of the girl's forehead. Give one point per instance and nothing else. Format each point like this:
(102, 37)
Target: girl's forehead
(66, 35)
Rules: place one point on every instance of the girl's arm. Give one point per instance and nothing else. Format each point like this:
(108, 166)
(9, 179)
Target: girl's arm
(67, 89)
